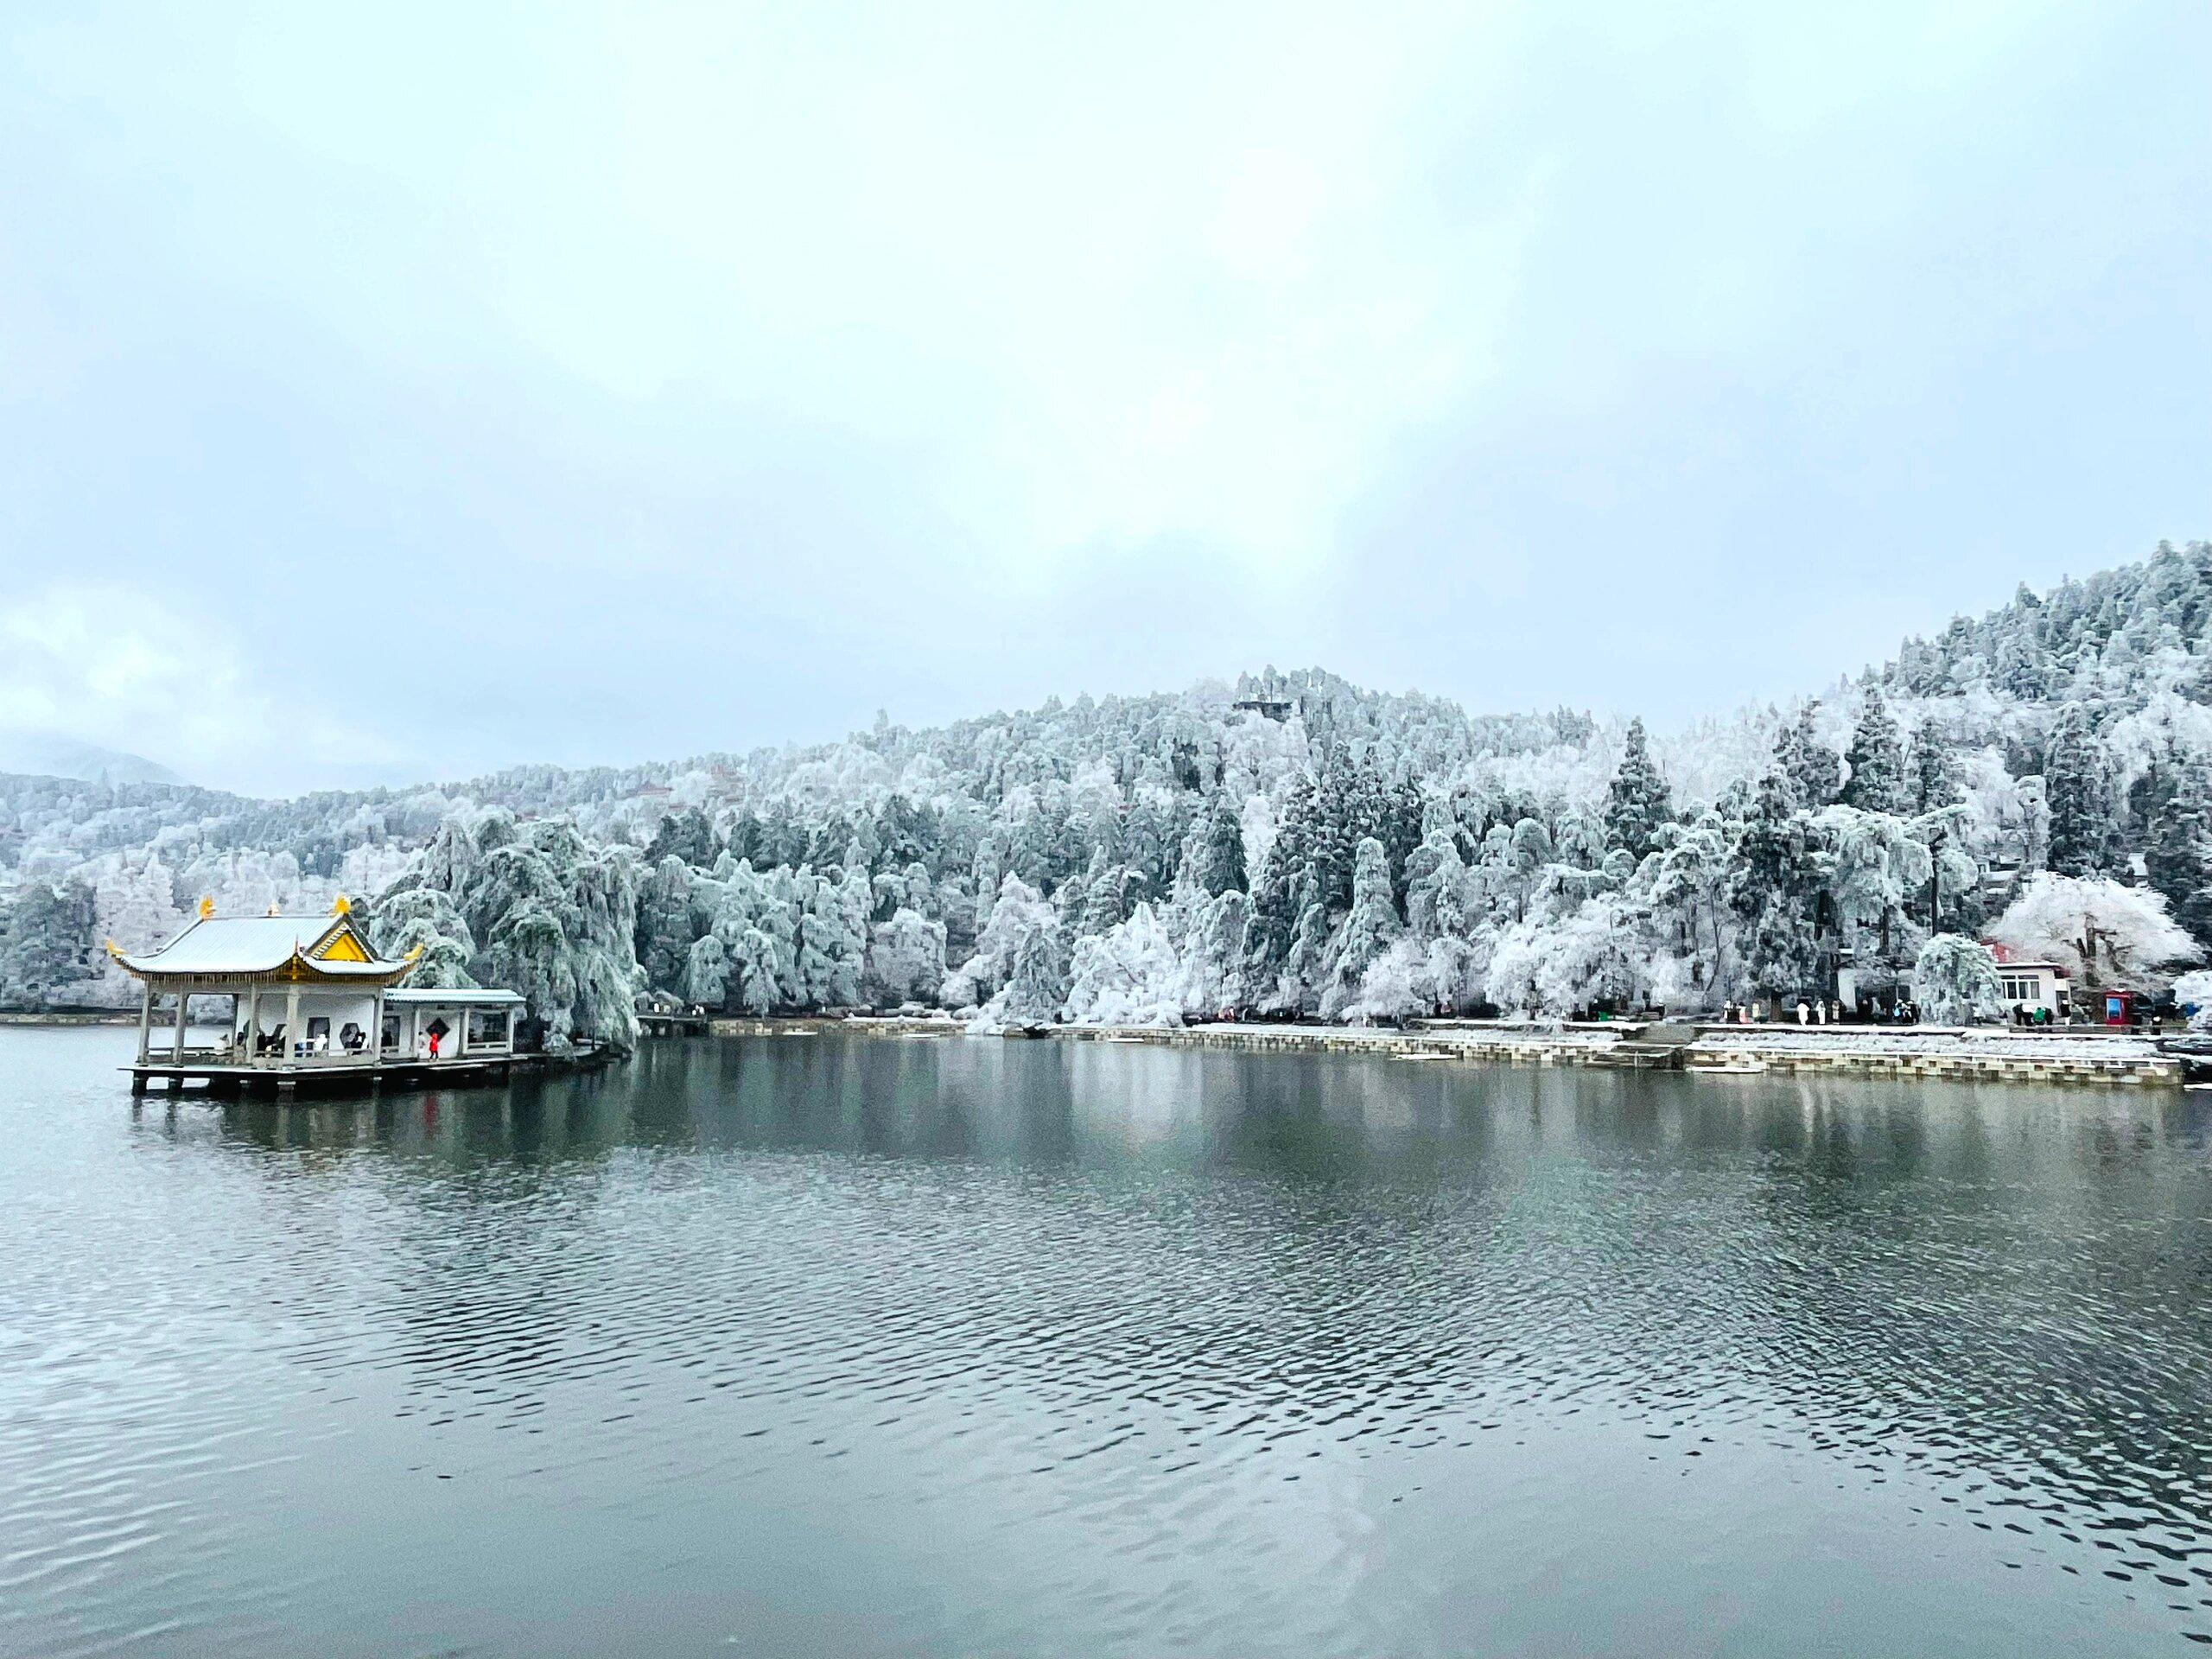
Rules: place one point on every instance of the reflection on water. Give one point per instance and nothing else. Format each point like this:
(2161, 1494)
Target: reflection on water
(816, 1344)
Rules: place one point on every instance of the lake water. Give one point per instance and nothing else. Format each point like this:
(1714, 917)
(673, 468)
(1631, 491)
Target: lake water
(797, 1345)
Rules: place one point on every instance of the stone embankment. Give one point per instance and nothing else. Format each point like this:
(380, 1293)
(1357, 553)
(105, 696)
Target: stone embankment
(1951, 1053)
(1524, 1045)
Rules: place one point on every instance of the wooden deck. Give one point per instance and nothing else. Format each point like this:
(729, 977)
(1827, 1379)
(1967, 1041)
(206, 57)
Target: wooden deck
(337, 1076)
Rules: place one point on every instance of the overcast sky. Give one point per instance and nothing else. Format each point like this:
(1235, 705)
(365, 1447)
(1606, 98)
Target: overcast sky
(406, 392)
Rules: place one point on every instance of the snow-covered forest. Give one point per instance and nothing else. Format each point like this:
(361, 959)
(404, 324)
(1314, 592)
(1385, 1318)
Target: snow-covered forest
(1286, 844)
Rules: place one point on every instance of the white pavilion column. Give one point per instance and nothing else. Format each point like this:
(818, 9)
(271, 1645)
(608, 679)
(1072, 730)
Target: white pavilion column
(183, 1001)
(145, 1019)
(376, 1030)
(291, 1018)
(252, 1021)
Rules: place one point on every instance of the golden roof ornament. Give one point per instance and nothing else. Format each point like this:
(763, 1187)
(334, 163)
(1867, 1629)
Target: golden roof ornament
(207, 907)
(342, 905)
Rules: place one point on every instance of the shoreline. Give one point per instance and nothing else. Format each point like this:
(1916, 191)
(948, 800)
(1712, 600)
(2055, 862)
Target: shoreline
(1949, 1053)
(1897, 1053)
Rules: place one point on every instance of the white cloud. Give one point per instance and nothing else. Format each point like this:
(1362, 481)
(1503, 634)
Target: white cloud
(109, 665)
(680, 376)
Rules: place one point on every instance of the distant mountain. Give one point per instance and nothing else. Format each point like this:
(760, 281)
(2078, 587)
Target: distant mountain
(47, 754)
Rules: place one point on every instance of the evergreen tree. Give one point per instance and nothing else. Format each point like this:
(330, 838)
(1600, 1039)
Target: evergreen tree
(1400, 827)
(666, 924)
(1639, 802)
(2083, 830)
(1932, 779)
(1039, 984)
(905, 958)
(1820, 770)
(2177, 856)
(1876, 757)
(1368, 928)
(1286, 876)
(426, 919)
(1339, 813)
(1773, 888)
(1219, 859)
(46, 942)
(1102, 907)
(1955, 982)
(988, 869)
(1808, 765)
(706, 975)
(1214, 965)
(688, 834)
(1434, 875)
(1305, 967)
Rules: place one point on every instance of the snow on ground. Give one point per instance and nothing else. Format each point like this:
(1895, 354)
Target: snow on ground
(1916, 1041)
(1459, 1032)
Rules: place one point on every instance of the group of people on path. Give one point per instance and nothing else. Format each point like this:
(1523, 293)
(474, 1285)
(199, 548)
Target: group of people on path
(1825, 1013)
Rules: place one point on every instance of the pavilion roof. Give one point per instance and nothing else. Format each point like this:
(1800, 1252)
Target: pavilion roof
(318, 947)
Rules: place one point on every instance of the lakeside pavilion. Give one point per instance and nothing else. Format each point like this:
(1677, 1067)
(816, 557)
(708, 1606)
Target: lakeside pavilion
(310, 1000)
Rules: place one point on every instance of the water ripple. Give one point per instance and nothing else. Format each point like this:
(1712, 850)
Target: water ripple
(968, 1347)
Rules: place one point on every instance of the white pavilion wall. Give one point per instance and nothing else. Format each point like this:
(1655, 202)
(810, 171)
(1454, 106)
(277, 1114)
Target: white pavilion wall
(337, 1007)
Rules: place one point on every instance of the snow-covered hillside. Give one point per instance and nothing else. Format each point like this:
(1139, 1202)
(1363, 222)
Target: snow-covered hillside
(1321, 848)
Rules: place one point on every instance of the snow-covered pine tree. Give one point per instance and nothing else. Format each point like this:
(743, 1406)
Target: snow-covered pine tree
(1370, 928)
(1101, 911)
(2178, 855)
(1772, 888)
(906, 958)
(1954, 980)
(706, 973)
(1639, 803)
(1931, 778)
(1809, 767)
(666, 926)
(1213, 960)
(529, 953)
(426, 918)
(1287, 877)
(2083, 829)
(1435, 878)
(987, 869)
(688, 834)
(1689, 890)
(1039, 985)
(1220, 861)
(1297, 986)
(46, 942)
(763, 970)
(1128, 976)
(1876, 757)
